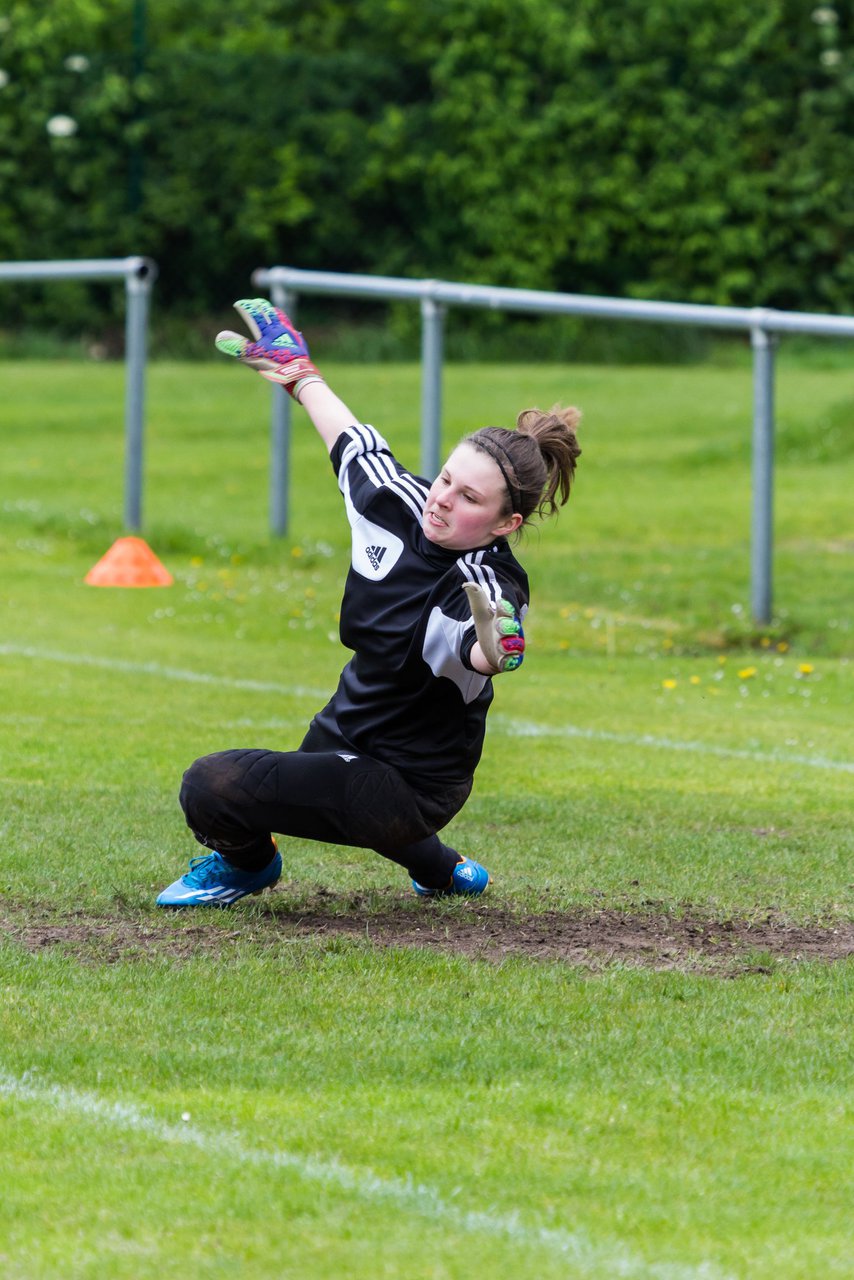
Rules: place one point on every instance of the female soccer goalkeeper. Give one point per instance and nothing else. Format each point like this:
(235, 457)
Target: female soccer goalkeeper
(432, 609)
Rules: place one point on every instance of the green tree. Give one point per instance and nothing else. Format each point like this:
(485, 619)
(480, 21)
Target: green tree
(685, 149)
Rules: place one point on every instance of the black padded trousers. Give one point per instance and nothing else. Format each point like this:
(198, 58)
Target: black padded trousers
(327, 791)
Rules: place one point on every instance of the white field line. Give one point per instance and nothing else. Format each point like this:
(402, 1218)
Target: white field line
(516, 728)
(522, 729)
(404, 1193)
(160, 671)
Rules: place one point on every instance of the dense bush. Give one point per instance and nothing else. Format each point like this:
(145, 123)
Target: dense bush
(686, 149)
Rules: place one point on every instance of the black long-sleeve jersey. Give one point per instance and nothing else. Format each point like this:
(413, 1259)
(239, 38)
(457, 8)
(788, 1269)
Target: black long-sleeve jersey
(409, 695)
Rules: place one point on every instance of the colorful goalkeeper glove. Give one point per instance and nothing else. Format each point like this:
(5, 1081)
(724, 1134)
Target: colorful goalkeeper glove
(279, 352)
(498, 629)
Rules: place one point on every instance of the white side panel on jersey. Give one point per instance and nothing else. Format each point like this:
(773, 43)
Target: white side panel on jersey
(441, 652)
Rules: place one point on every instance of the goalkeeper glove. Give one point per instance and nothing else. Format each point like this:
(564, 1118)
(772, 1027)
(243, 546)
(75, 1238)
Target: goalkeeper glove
(279, 352)
(498, 629)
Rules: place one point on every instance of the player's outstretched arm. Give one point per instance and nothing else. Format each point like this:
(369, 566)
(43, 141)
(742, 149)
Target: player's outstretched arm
(280, 354)
(329, 414)
(500, 644)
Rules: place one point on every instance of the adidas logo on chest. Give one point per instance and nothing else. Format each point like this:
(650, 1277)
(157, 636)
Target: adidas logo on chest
(375, 551)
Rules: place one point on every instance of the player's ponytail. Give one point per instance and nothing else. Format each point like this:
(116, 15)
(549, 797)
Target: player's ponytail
(537, 460)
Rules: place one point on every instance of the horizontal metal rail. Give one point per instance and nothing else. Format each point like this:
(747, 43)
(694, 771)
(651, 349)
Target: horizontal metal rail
(434, 296)
(80, 269)
(297, 280)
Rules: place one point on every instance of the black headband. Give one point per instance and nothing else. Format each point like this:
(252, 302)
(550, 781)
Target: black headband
(486, 444)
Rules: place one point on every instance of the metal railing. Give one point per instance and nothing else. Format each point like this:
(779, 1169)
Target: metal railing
(139, 275)
(435, 296)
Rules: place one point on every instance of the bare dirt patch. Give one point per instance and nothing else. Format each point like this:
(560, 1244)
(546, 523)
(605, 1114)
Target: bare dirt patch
(655, 939)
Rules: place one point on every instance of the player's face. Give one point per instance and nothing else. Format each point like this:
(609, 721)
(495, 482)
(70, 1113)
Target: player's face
(465, 504)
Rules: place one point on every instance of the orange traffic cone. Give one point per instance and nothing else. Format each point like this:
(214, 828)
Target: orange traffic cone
(130, 562)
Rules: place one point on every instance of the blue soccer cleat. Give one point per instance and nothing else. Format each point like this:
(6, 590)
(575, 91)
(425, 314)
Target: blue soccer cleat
(469, 880)
(213, 882)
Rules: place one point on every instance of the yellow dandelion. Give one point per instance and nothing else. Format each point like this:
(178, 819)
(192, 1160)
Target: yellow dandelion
(196, 561)
(695, 680)
(782, 647)
(765, 642)
(564, 613)
(669, 684)
(564, 644)
(296, 551)
(747, 673)
(806, 668)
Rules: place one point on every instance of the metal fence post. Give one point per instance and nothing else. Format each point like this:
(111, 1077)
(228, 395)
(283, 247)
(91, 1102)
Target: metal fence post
(432, 343)
(280, 433)
(138, 293)
(762, 531)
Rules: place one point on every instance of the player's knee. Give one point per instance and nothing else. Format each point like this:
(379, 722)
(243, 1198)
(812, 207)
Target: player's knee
(209, 786)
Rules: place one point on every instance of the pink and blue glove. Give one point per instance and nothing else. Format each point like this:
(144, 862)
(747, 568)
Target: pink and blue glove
(498, 629)
(279, 352)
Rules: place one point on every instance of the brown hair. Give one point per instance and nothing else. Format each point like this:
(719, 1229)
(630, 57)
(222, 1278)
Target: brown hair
(537, 460)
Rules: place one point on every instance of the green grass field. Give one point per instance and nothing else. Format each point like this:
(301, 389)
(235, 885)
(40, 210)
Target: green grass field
(233, 1094)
